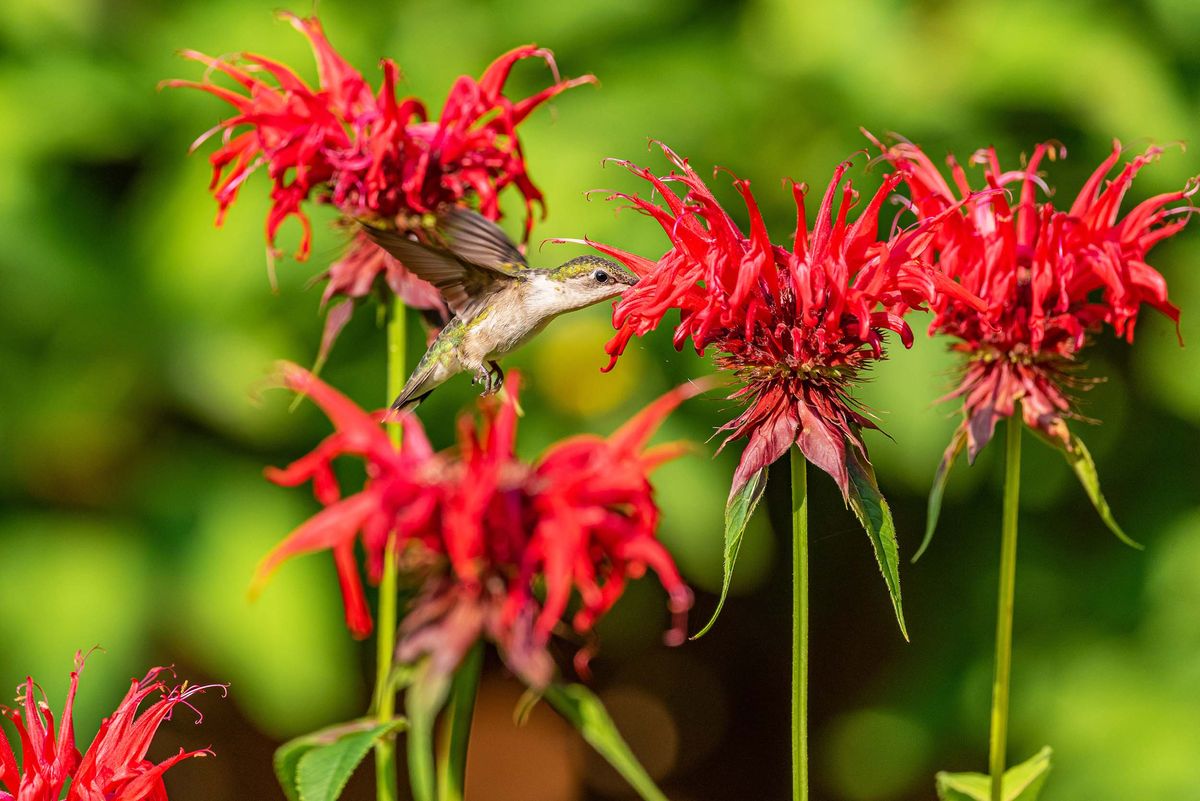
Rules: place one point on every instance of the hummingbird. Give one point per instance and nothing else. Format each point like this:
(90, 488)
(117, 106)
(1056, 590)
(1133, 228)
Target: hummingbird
(498, 301)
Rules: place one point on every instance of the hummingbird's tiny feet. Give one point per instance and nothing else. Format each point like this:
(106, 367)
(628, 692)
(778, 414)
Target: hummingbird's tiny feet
(496, 374)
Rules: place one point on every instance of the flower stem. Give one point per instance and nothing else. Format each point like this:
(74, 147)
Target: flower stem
(1004, 608)
(384, 700)
(456, 732)
(799, 627)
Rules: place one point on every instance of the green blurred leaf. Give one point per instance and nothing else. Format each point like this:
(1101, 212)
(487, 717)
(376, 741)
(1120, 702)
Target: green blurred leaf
(876, 518)
(317, 766)
(586, 712)
(1084, 466)
(738, 512)
(289, 755)
(1021, 782)
(934, 509)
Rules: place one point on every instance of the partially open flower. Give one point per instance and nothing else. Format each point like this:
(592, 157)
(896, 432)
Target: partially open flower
(113, 768)
(498, 546)
(369, 153)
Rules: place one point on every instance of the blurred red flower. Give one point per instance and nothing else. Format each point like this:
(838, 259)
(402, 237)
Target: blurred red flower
(369, 154)
(113, 768)
(795, 326)
(480, 529)
(1049, 277)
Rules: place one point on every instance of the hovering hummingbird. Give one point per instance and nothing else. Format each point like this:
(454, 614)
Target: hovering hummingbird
(498, 301)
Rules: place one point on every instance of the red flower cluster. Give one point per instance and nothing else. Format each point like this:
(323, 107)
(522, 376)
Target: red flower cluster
(796, 326)
(483, 528)
(1049, 278)
(114, 768)
(368, 153)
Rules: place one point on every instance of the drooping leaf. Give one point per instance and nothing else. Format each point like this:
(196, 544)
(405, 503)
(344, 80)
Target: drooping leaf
(1022, 782)
(876, 518)
(738, 511)
(934, 508)
(290, 755)
(1084, 466)
(585, 712)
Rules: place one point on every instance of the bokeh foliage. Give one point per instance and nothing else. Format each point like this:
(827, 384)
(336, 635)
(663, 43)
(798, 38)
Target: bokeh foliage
(136, 340)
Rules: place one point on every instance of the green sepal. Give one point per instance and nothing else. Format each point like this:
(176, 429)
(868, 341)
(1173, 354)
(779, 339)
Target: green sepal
(316, 766)
(1021, 782)
(583, 710)
(738, 511)
(1084, 466)
(934, 508)
(875, 516)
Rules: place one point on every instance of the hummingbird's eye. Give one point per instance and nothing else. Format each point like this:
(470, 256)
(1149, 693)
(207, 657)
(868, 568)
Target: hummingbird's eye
(601, 277)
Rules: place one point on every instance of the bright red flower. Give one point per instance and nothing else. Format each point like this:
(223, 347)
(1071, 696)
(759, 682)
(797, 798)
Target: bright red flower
(795, 326)
(114, 768)
(368, 153)
(480, 529)
(1050, 278)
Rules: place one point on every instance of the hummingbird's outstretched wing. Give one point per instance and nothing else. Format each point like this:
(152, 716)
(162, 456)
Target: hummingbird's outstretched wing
(478, 255)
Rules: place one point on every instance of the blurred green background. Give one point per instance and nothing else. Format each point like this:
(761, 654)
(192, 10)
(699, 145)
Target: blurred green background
(136, 338)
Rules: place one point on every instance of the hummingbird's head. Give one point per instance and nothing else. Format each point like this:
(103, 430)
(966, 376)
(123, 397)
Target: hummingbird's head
(590, 279)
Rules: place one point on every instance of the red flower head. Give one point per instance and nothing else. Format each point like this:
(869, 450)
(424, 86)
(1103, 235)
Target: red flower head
(795, 326)
(1049, 277)
(368, 153)
(480, 528)
(398, 494)
(114, 768)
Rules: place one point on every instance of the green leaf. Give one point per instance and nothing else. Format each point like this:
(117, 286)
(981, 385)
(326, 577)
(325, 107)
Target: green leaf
(1021, 782)
(585, 712)
(876, 518)
(738, 512)
(290, 756)
(934, 509)
(1082, 463)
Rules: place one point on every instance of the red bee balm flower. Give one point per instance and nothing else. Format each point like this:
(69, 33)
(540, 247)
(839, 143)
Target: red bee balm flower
(114, 768)
(795, 326)
(367, 153)
(1050, 279)
(480, 529)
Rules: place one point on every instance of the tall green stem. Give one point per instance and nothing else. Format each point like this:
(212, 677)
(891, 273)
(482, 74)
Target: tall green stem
(1004, 607)
(456, 731)
(799, 627)
(384, 700)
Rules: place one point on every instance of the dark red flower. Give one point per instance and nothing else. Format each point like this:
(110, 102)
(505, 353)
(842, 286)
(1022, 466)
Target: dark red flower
(479, 529)
(1049, 277)
(795, 326)
(114, 767)
(368, 153)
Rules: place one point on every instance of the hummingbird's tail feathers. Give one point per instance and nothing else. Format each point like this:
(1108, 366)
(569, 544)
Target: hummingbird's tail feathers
(474, 238)
(403, 403)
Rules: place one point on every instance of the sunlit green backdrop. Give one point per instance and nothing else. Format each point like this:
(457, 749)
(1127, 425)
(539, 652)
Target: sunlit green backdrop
(134, 427)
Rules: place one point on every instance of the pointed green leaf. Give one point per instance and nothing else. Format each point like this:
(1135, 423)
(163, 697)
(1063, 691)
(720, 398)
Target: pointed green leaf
(585, 712)
(934, 509)
(876, 518)
(289, 755)
(738, 512)
(1085, 467)
(1021, 782)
